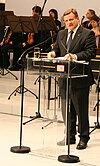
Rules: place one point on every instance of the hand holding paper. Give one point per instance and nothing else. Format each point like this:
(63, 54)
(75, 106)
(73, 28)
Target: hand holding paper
(70, 57)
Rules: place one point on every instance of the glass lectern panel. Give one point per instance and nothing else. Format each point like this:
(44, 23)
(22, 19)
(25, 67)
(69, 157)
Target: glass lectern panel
(51, 125)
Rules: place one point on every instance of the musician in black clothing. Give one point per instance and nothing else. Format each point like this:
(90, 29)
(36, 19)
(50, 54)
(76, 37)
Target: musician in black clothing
(87, 24)
(28, 40)
(8, 42)
(54, 14)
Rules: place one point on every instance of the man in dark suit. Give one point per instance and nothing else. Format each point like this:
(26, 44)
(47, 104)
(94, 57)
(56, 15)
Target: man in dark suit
(82, 47)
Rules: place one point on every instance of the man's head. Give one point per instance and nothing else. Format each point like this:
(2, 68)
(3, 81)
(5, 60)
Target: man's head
(36, 10)
(71, 19)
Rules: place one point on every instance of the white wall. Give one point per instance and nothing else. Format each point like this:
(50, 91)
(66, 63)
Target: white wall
(23, 7)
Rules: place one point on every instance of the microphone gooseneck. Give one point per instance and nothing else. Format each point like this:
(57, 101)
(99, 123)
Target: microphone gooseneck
(82, 19)
(32, 48)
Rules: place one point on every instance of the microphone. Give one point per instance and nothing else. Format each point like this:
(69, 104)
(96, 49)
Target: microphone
(32, 48)
(82, 19)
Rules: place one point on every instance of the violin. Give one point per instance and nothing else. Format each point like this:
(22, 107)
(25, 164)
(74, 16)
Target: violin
(8, 37)
(30, 38)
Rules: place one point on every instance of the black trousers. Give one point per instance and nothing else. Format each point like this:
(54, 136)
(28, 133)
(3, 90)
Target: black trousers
(79, 102)
(4, 57)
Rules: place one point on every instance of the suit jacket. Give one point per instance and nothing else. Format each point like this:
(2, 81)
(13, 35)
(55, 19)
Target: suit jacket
(84, 46)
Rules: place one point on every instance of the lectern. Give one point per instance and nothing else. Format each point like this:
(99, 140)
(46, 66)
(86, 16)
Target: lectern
(62, 69)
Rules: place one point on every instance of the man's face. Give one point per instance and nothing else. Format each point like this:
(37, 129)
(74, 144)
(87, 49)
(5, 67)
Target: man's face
(71, 21)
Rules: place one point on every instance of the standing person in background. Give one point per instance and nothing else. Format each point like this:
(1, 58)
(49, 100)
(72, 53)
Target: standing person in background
(54, 14)
(96, 29)
(36, 10)
(87, 24)
(82, 47)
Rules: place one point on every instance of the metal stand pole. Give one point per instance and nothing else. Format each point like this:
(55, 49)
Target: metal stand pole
(20, 148)
(38, 115)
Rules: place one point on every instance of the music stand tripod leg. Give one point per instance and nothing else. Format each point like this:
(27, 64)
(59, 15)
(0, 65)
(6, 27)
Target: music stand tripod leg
(8, 72)
(19, 88)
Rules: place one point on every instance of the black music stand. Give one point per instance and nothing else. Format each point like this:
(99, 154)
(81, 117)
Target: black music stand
(3, 17)
(96, 107)
(44, 23)
(48, 23)
(19, 24)
(4, 23)
(95, 66)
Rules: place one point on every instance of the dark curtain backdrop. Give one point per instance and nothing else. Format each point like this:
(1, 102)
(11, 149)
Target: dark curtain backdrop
(2, 6)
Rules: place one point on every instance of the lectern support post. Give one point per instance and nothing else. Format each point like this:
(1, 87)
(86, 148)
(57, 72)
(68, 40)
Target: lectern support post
(68, 158)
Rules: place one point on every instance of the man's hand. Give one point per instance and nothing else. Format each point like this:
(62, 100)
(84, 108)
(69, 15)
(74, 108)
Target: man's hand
(70, 57)
(24, 44)
(51, 54)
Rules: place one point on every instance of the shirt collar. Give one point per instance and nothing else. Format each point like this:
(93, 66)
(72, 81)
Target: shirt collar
(74, 31)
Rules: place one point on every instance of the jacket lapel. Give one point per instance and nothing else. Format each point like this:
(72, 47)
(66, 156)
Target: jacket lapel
(64, 36)
(76, 39)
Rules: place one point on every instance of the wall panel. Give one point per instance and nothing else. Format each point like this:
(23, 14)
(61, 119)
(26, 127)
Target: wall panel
(23, 7)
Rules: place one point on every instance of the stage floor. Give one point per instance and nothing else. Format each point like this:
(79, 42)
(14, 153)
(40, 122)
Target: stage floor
(41, 140)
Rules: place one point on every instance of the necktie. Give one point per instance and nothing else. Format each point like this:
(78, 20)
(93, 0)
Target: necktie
(69, 41)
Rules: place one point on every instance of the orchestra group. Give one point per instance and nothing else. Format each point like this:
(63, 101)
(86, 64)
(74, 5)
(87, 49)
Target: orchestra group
(18, 42)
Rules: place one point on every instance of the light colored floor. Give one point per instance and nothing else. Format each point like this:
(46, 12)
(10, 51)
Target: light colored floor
(41, 141)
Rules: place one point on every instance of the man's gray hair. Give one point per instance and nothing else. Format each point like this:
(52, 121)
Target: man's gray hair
(71, 10)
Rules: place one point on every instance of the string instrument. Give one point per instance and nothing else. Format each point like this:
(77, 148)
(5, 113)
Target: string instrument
(30, 38)
(8, 37)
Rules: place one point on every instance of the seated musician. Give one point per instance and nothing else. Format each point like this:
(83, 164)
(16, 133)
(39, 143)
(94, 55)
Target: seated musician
(95, 27)
(54, 14)
(28, 40)
(7, 43)
(87, 24)
(44, 34)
